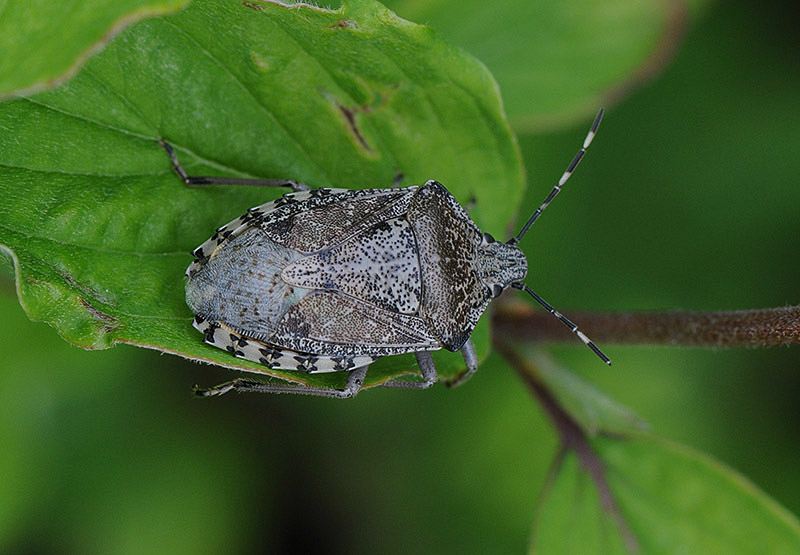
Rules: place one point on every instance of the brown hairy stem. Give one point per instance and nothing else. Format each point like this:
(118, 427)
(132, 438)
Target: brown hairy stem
(737, 328)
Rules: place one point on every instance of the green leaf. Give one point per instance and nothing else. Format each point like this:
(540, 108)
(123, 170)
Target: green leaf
(558, 61)
(672, 499)
(100, 228)
(42, 42)
(594, 411)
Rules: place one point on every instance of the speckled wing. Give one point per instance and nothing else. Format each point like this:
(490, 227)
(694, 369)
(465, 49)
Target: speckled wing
(314, 220)
(331, 323)
(308, 221)
(379, 266)
(364, 296)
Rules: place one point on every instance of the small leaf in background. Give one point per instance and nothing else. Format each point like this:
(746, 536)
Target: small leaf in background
(671, 498)
(559, 61)
(101, 228)
(42, 42)
(594, 411)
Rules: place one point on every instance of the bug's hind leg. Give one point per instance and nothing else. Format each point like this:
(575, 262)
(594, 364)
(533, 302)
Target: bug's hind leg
(198, 180)
(428, 369)
(471, 358)
(354, 381)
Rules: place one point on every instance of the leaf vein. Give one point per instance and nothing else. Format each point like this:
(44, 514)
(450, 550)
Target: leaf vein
(258, 103)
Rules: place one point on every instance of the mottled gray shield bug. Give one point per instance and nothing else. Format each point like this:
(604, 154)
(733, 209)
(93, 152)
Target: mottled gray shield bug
(326, 280)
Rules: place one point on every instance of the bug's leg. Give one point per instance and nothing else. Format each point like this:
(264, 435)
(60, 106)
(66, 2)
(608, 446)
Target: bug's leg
(471, 358)
(354, 381)
(197, 180)
(398, 179)
(428, 369)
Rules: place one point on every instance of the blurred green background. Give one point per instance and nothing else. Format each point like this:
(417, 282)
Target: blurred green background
(688, 199)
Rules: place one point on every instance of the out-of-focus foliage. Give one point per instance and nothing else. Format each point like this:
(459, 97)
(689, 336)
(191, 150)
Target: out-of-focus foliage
(42, 41)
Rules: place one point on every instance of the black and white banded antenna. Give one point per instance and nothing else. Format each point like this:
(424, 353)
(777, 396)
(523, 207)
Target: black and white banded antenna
(564, 178)
(535, 216)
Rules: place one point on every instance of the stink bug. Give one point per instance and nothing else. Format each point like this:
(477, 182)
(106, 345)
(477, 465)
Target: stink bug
(326, 280)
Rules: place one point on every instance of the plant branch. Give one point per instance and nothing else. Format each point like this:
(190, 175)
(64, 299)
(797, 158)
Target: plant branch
(723, 329)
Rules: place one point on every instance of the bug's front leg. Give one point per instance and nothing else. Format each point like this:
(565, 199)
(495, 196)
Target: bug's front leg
(355, 380)
(471, 359)
(428, 369)
(198, 180)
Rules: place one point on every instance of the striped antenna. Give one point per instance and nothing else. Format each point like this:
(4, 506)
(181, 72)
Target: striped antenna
(567, 174)
(566, 321)
(557, 189)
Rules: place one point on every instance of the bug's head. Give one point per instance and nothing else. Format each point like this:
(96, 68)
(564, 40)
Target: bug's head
(500, 264)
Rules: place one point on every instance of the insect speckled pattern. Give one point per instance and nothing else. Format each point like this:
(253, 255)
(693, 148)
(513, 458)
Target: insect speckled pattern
(327, 280)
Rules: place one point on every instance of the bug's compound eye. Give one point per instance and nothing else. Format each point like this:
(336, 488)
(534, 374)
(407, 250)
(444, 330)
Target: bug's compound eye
(487, 237)
(496, 289)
